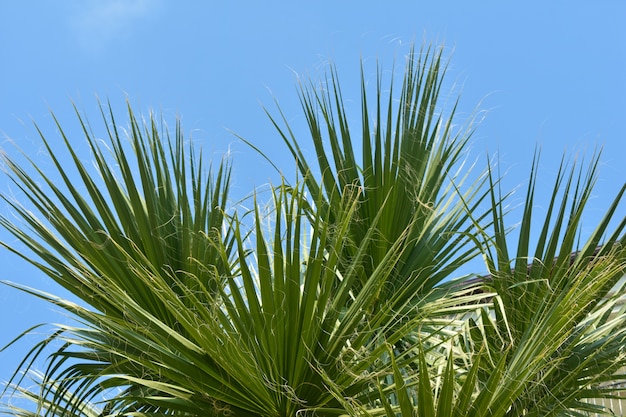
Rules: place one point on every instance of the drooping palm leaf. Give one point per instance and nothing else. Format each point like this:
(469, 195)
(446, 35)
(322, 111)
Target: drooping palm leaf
(41, 405)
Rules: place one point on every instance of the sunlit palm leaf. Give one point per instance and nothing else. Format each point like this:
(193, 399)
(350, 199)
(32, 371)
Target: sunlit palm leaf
(155, 202)
(337, 297)
(264, 346)
(411, 159)
(554, 302)
(164, 207)
(539, 351)
(62, 406)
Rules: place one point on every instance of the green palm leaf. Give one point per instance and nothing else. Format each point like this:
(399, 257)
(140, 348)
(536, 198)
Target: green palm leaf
(62, 406)
(339, 295)
(411, 159)
(157, 203)
(553, 337)
(554, 303)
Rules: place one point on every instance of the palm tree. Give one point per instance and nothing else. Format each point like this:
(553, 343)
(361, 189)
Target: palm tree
(342, 298)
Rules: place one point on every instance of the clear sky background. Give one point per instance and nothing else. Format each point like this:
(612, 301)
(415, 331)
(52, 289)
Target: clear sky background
(548, 74)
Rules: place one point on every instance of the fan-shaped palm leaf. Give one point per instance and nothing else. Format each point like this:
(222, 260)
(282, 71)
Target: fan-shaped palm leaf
(554, 337)
(411, 161)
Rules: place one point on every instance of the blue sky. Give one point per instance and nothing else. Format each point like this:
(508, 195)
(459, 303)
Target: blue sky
(549, 75)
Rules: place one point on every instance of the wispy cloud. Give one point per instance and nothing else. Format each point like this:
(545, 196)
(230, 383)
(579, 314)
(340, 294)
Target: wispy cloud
(97, 23)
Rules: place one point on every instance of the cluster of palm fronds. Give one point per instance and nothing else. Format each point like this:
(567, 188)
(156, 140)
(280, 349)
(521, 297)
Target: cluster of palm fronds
(343, 298)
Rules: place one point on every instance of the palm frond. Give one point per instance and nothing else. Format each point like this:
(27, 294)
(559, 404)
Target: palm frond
(338, 296)
(62, 406)
(150, 199)
(553, 302)
(411, 160)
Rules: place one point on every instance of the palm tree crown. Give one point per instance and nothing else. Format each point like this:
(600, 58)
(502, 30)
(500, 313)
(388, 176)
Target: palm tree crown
(343, 298)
